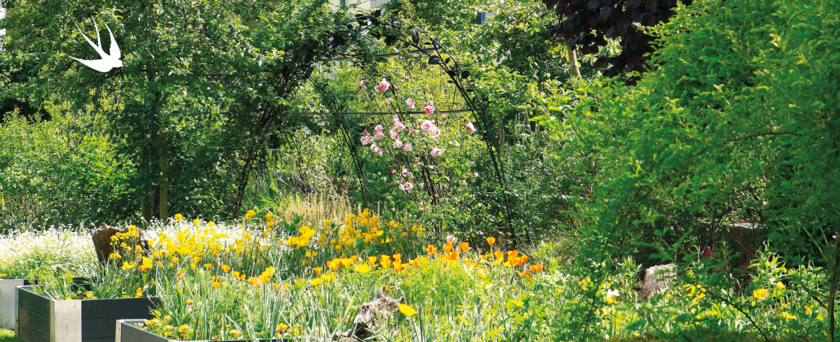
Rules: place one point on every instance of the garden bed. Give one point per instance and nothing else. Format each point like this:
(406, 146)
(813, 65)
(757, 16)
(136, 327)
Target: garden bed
(128, 331)
(42, 318)
(8, 318)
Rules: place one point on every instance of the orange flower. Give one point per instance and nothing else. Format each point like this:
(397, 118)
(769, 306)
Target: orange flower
(536, 268)
(208, 266)
(196, 259)
(216, 285)
(491, 241)
(189, 302)
(242, 276)
(465, 246)
(372, 261)
(431, 249)
(225, 268)
(485, 256)
(347, 262)
(499, 254)
(235, 274)
(317, 270)
(447, 248)
(334, 264)
(385, 262)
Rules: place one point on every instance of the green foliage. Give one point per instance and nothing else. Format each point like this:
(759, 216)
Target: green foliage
(51, 175)
(737, 123)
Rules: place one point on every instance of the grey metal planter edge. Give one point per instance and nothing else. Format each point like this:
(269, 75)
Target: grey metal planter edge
(42, 318)
(8, 305)
(128, 332)
(64, 317)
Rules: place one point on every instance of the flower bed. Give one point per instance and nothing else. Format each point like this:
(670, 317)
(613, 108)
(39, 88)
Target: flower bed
(41, 318)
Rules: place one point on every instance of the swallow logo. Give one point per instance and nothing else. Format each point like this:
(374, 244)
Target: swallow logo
(108, 61)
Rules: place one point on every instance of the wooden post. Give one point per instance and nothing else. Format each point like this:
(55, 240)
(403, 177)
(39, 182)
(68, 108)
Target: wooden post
(164, 169)
(573, 65)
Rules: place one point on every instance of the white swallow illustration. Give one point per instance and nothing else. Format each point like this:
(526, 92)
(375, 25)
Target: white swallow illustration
(108, 61)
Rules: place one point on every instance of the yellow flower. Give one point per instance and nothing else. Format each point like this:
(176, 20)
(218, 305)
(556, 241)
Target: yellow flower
(363, 268)
(491, 241)
(407, 310)
(760, 293)
(179, 217)
(182, 328)
(235, 333)
(225, 268)
(196, 259)
(787, 315)
(196, 222)
(147, 263)
(139, 292)
(3, 275)
(281, 328)
(235, 274)
(431, 249)
(316, 282)
(208, 266)
(127, 265)
(780, 286)
(211, 224)
(216, 285)
(317, 270)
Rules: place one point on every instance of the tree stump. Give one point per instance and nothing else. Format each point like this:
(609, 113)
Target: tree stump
(370, 315)
(102, 241)
(657, 279)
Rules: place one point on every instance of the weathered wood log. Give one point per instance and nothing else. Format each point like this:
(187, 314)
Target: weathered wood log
(103, 245)
(370, 315)
(657, 279)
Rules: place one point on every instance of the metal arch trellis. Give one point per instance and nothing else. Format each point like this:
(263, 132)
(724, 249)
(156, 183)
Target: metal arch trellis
(459, 78)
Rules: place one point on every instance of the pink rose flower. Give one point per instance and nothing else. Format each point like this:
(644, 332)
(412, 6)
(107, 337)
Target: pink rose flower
(408, 147)
(378, 128)
(383, 86)
(430, 107)
(436, 152)
(392, 170)
(365, 139)
(362, 84)
(393, 135)
(398, 143)
(409, 103)
(390, 100)
(405, 77)
(427, 126)
(406, 186)
(475, 174)
(471, 127)
(378, 136)
(399, 125)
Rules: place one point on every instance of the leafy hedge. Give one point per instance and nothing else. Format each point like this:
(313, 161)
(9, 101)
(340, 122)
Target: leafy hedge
(738, 122)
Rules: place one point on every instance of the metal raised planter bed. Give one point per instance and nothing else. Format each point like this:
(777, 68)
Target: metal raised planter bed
(7, 302)
(43, 319)
(128, 332)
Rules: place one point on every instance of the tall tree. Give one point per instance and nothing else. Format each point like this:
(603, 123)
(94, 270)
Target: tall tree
(201, 81)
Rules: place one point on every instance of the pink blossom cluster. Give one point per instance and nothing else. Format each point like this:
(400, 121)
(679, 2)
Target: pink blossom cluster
(383, 86)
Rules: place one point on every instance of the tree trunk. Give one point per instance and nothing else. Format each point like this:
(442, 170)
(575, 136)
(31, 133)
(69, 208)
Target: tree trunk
(164, 169)
(832, 286)
(573, 64)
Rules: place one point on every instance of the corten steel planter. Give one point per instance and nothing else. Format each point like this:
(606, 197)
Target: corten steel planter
(43, 319)
(7, 302)
(128, 332)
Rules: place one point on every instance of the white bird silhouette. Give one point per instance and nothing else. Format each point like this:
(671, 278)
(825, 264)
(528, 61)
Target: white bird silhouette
(108, 61)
